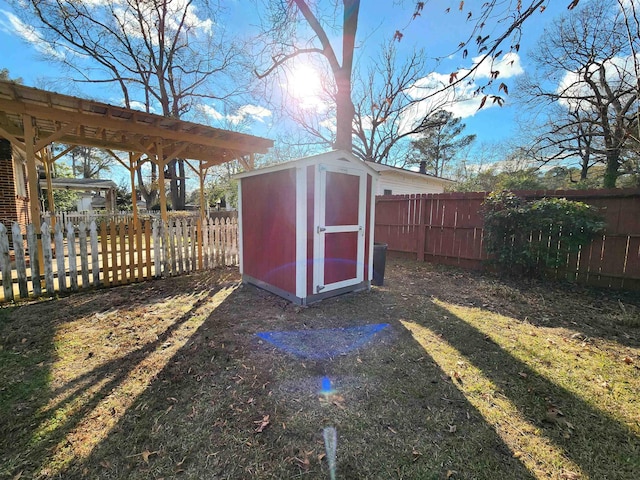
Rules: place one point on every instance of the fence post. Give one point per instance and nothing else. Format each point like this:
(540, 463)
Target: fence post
(193, 244)
(47, 256)
(104, 254)
(73, 264)
(422, 229)
(21, 264)
(61, 268)
(5, 263)
(95, 253)
(178, 247)
(156, 248)
(84, 254)
(171, 245)
(199, 239)
(34, 261)
(205, 243)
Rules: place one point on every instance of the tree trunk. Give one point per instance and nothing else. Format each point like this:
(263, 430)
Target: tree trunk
(344, 112)
(149, 195)
(611, 172)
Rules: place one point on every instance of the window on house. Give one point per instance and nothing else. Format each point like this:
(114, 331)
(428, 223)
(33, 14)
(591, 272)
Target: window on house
(387, 192)
(19, 176)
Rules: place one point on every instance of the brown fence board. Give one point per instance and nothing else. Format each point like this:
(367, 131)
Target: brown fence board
(448, 228)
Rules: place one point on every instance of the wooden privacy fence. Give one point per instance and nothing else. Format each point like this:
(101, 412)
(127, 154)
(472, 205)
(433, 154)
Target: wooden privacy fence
(71, 258)
(448, 229)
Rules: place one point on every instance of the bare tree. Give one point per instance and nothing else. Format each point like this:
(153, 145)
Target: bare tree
(631, 21)
(300, 27)
(584, 65)
(391, 107)
(568, 136)
(163, 55)
(89, 162)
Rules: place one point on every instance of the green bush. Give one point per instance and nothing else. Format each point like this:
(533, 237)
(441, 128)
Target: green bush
(528, 237)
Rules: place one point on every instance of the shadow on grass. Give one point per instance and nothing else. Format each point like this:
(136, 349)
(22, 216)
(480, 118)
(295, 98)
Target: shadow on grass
(393, 409)
(595, 312)
(597, 443)
(33, 427)
(226, 405)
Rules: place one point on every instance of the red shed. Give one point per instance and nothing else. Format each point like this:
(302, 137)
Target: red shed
(306, 226)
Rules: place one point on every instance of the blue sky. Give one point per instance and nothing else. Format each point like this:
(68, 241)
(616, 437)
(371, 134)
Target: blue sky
(434, 30)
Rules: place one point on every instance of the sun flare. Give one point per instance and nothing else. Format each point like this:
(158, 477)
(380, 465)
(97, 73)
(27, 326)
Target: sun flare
(304, 84)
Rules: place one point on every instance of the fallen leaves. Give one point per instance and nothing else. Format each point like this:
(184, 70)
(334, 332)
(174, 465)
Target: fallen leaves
(555, 416)
(569, 475)
(628, 360)
(144, 455)
(262, 424)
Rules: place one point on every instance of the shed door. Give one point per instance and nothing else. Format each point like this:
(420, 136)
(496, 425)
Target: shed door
(340, 224)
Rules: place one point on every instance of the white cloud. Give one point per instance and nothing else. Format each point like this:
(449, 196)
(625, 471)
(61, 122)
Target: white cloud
(254, 112)
(461, 101)
(210, 112)
(14, 26)
(508, 66)
(135, 105)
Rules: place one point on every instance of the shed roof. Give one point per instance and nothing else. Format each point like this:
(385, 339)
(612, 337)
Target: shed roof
(379, 167)
(334, 155)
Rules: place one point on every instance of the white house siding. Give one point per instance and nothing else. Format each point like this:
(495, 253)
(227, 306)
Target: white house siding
(408, 184)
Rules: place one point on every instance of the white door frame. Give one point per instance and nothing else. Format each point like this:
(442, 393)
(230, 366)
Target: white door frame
(321, 229)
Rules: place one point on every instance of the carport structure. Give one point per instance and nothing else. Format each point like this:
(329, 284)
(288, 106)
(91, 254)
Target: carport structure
(32, 120)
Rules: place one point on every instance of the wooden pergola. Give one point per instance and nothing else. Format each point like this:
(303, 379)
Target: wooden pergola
(33, 119)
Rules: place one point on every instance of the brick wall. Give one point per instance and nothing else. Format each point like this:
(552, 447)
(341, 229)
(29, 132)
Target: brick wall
(8, 206)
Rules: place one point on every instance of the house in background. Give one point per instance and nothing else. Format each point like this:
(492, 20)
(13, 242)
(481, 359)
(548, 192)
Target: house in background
(93, 193)
(399, 181)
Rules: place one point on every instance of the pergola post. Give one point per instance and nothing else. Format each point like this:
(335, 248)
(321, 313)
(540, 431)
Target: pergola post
(161, 187)
(202, 172)
(32, 171)
(134, 197)
(48, 163)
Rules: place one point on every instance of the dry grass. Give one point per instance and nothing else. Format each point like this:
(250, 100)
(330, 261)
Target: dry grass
(474, 378)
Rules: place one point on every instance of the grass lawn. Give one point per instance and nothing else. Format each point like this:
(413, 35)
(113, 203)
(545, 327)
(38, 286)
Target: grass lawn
(473, 378)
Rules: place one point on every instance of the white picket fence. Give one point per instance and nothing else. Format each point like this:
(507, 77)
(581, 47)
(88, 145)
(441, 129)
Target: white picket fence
(73, 257)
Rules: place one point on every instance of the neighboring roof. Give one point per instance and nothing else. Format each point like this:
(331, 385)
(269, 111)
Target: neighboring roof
(77, 121)
(382, 169)
(85, 184)
(332, 156)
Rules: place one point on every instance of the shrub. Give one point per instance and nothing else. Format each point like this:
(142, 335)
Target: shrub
(529, 237)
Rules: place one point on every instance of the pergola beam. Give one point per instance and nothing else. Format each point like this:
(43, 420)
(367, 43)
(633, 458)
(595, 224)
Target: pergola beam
(124, 127)
(32, 119)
